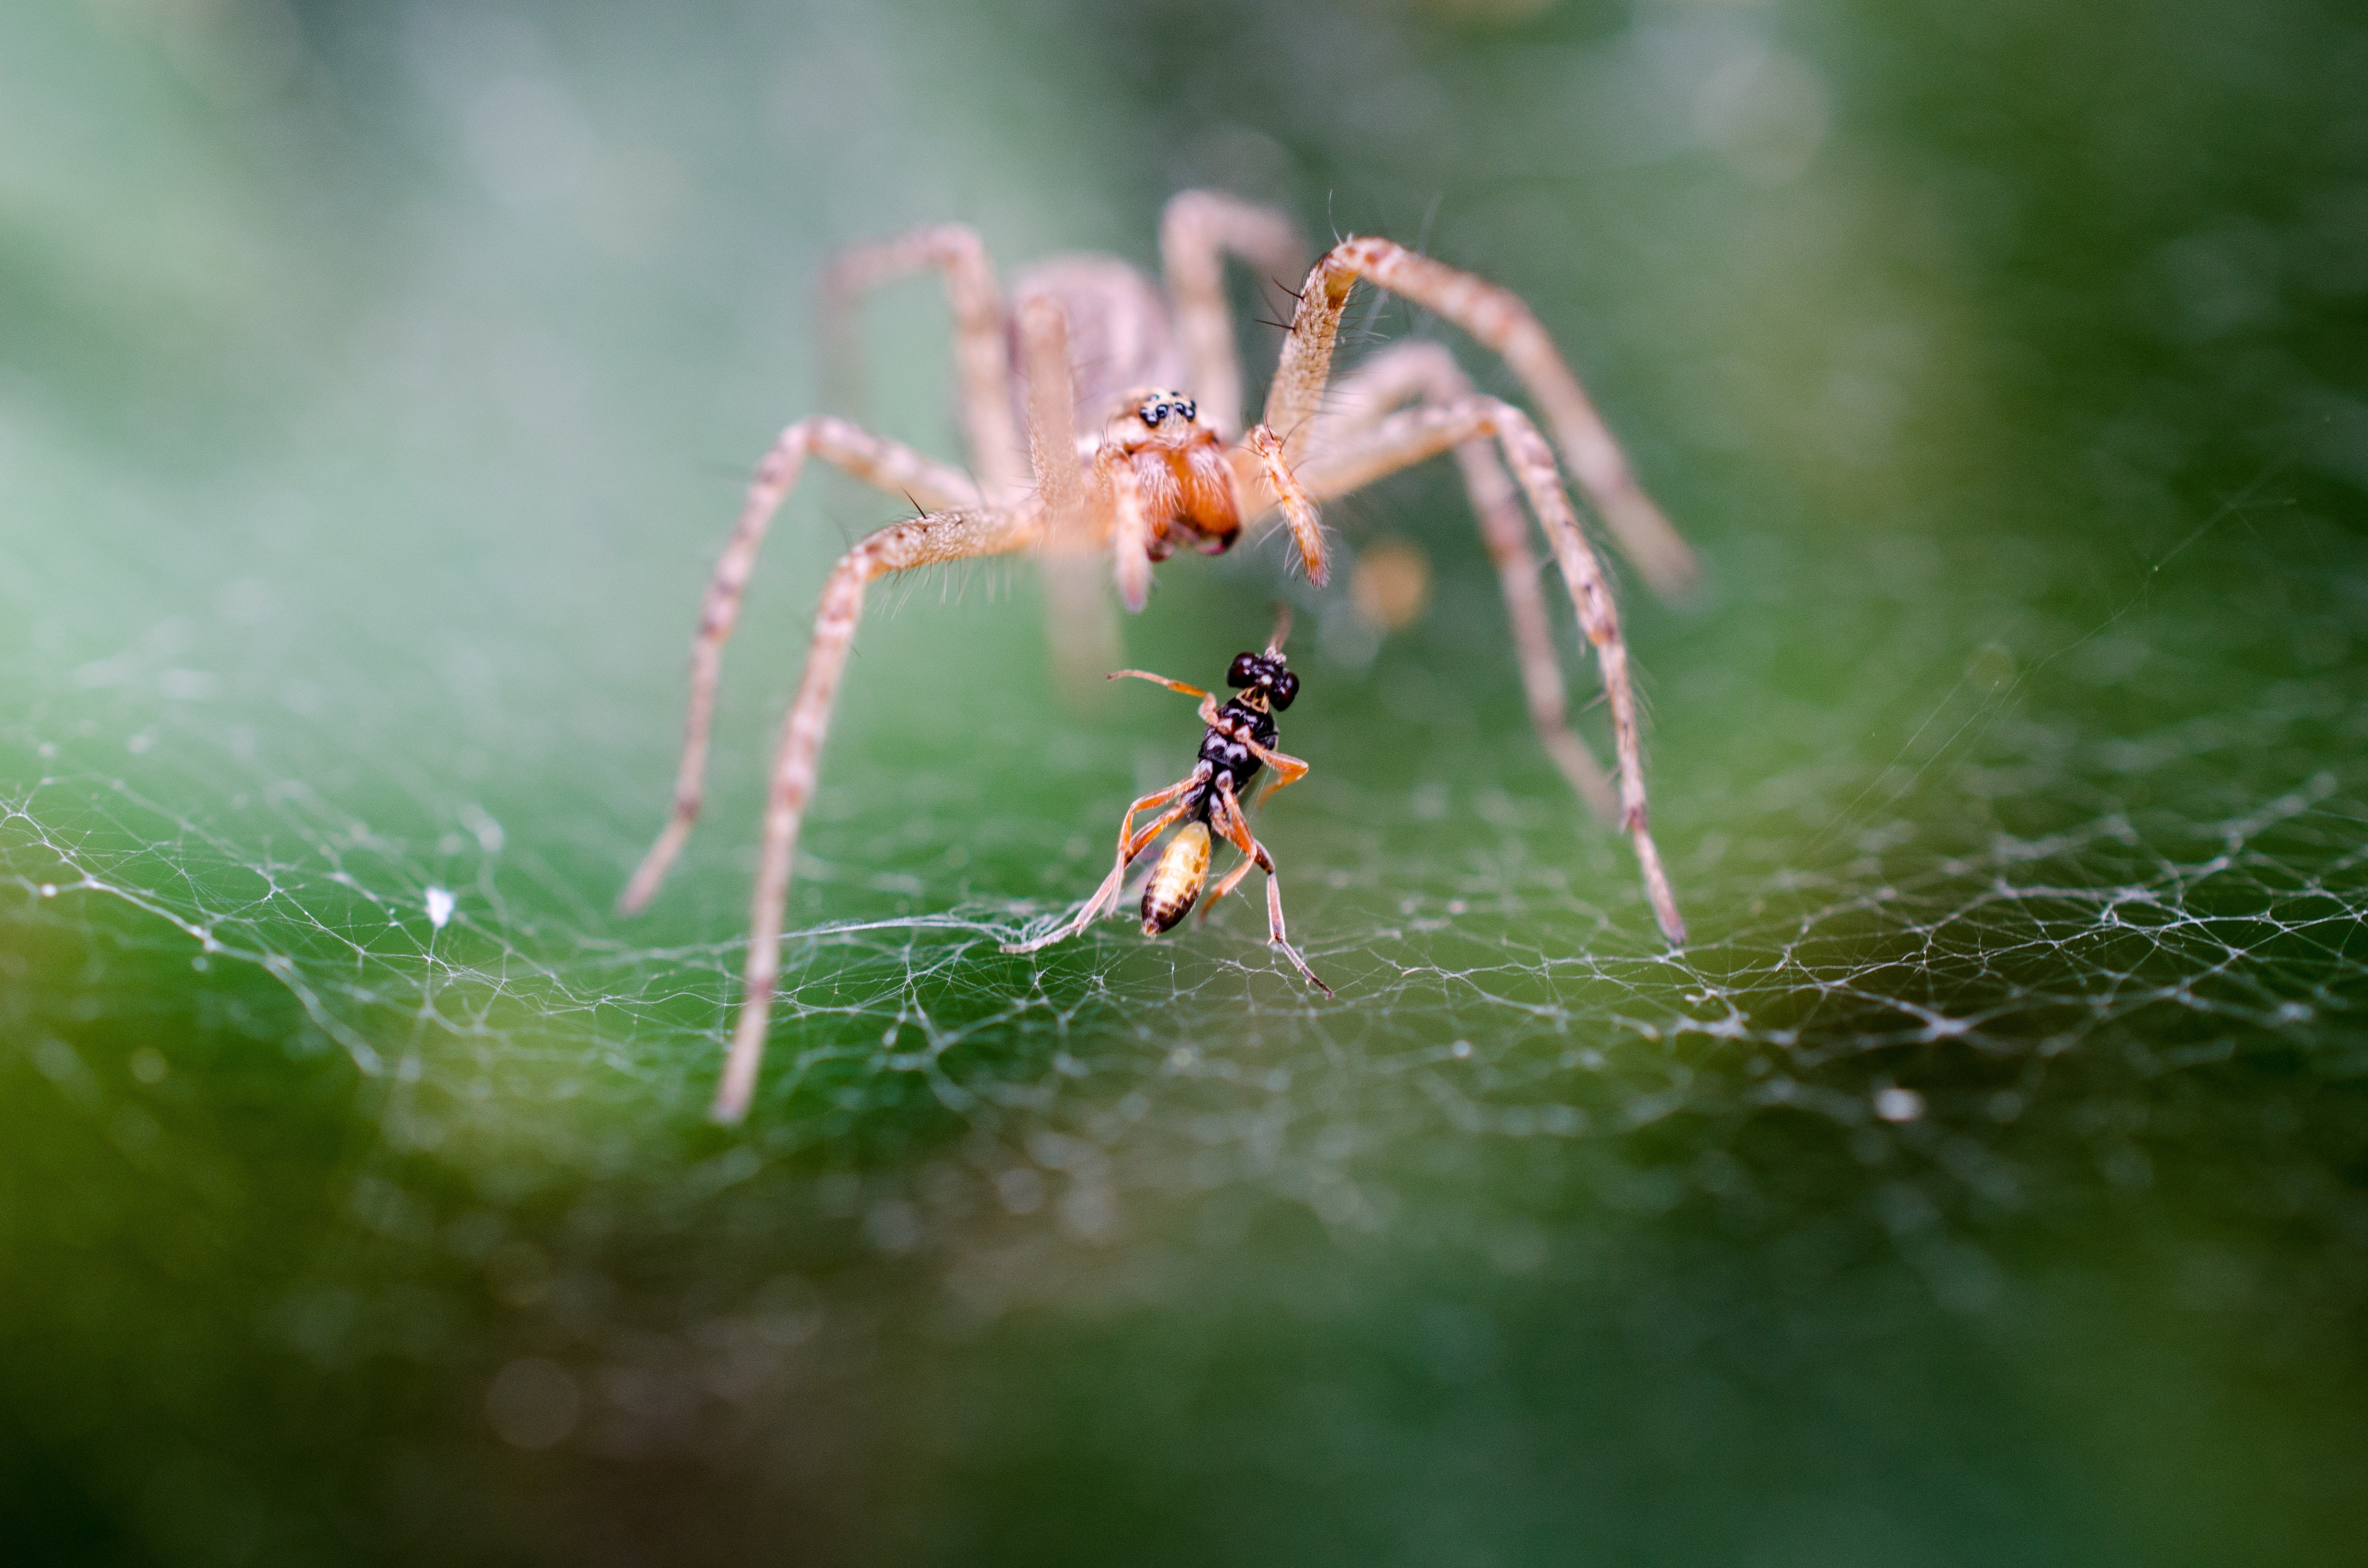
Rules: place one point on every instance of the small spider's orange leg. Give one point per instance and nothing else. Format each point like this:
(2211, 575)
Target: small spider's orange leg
(1229, 821)
(1501, 321)
(1406, 439)
(887, 465)
(982, 353)
(1288, 770)
(1427, 373)
(1230, 880)
(1242, 868)
(918, 541)
(1197, 231)
(1079, 625)
(1158, 680)
(1130, 845)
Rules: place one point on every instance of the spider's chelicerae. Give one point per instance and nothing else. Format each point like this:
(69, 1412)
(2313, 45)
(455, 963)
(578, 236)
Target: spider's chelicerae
(1089, 342)
(1237, 745)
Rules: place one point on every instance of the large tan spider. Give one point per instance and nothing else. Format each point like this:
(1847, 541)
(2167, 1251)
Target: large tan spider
(1088, 342)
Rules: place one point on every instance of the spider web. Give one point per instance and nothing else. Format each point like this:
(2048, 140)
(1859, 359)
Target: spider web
(1890, 939)
(362, 454)
(299, 713)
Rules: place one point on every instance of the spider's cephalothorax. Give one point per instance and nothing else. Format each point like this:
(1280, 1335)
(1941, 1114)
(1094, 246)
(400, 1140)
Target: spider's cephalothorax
(1236, 744)
(1159, 470)
(1177, 469)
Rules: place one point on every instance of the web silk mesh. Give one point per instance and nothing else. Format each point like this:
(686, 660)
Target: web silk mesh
(1923, 954)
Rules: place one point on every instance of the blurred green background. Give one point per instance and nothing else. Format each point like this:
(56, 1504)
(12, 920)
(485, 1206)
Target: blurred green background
(1985, 1185)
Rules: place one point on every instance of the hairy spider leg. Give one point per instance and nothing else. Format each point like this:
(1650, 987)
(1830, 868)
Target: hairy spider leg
(1198, 229)
(1306, 530)
(900, 546)
(982, 352)
(887, 465)
(1130, 845)
(1130, 533)
(1227, 818)
(1409, 437)
(1498, 319)
(1427, 373)
(1079, 627)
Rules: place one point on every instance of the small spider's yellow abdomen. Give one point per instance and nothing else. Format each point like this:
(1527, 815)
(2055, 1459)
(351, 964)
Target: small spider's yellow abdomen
(1176, 880)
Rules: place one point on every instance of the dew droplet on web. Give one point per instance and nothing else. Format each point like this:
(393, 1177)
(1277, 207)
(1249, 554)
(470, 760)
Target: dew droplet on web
(1899, 1105)
(440, 907)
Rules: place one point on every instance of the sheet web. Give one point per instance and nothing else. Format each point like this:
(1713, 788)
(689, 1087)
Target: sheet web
(1889, 950)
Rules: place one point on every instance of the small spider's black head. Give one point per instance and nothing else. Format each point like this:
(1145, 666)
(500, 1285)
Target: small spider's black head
(1155, 413)
(1266, 674)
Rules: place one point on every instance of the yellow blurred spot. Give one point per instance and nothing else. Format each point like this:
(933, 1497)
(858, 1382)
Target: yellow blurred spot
(1391, 584)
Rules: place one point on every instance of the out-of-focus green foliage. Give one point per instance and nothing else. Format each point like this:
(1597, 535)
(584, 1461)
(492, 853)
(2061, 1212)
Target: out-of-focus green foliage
(1982, 1184)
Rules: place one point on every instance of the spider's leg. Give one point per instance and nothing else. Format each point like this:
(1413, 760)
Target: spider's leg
(888, 465)
(1427, 373)
(1052, 392)
(1406, 439)
(1079, 625)
(1266, 450)
(1197, 231)
(982, 353)
(900, 546)
(1236, 828)
(1130, 535)
(1499, 319)
(1130, 845)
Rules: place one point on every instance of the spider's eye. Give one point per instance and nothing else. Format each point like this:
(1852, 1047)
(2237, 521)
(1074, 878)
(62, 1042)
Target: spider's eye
(1244, 671)
(1152, 413)
(1286, 687)
(1189, 410)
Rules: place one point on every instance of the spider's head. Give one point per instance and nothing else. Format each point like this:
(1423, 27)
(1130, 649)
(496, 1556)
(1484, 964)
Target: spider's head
(1264, 675)
(1158, 417)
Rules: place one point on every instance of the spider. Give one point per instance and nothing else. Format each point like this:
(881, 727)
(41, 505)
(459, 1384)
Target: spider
(1089, 342)
(1238, 744)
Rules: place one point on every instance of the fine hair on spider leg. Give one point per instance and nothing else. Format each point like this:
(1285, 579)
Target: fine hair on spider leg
(1130, 401)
